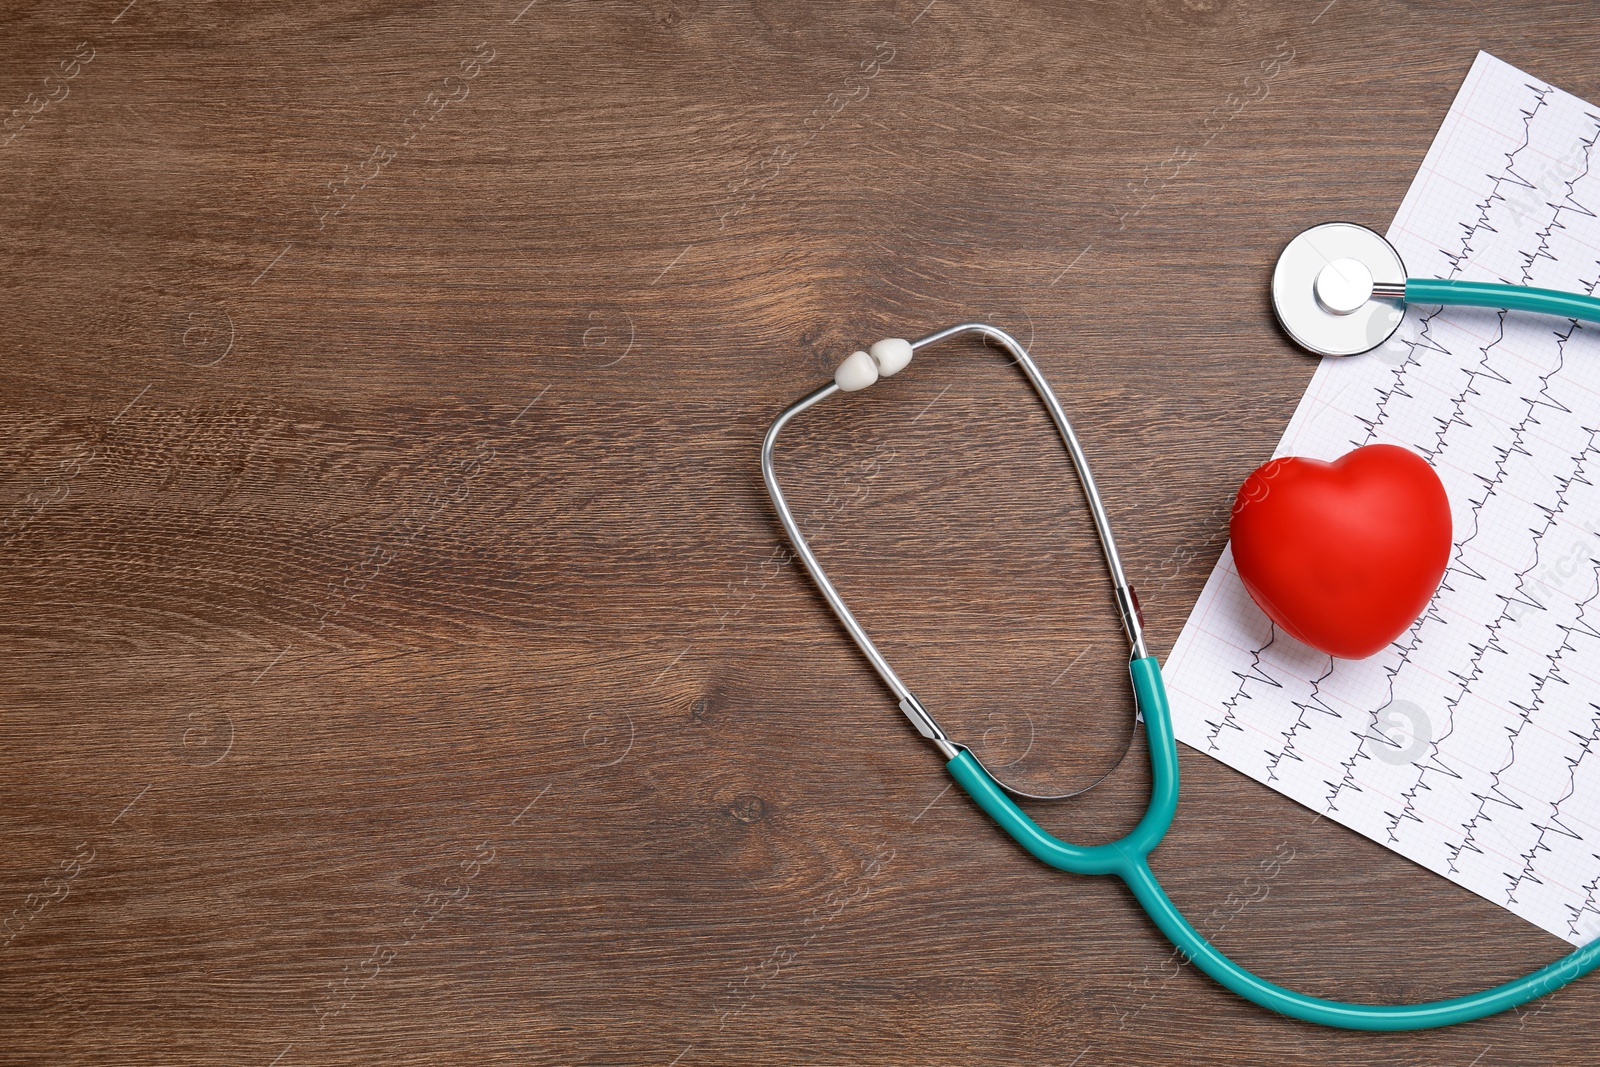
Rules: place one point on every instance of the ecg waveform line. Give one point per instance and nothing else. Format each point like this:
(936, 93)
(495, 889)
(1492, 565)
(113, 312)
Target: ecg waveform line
(1586, 741)
(1460, 405)
(1501, 794)
(1536, 698)
(1457, 260)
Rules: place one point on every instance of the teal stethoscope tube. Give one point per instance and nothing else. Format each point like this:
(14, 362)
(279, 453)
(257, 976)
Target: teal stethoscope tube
(1510, 297)
(1129, 859)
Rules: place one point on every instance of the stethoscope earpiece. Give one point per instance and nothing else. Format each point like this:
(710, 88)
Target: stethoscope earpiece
(884, 358)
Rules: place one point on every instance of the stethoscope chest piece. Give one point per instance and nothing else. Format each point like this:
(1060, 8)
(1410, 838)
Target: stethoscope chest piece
(1329, 289)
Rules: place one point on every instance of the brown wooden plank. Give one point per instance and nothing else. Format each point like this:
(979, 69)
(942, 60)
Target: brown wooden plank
(382, 391)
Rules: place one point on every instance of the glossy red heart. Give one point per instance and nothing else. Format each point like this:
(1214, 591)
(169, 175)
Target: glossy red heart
(1344, 555)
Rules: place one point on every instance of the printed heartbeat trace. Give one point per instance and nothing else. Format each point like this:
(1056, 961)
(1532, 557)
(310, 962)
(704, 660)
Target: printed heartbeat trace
(1472, 743)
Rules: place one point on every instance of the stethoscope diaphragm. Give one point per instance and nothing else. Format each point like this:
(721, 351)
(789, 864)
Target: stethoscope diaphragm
(1331, 289)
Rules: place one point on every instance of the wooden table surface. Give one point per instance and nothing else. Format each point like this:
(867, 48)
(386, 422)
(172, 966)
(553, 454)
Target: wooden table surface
(402, 663)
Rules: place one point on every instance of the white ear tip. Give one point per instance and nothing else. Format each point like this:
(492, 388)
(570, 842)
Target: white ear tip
(891, 355)
(857, 372)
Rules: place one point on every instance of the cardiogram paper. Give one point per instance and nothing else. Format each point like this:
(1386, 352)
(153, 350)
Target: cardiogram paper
(1469, 745)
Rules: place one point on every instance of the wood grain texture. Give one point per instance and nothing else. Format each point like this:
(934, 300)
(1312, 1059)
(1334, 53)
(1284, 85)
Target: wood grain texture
(402, 663)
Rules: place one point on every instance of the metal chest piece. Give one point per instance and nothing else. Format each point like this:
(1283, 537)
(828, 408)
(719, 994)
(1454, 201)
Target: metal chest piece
(1336, 289)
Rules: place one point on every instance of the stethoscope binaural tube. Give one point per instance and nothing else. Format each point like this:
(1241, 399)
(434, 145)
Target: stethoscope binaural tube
(889, 357)
(1339, 289)
(1129, 857)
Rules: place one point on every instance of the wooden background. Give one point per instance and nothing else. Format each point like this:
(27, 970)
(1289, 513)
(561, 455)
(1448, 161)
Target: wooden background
(400, 661)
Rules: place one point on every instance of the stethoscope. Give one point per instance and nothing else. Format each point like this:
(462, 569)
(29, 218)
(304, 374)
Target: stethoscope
(1339, 289)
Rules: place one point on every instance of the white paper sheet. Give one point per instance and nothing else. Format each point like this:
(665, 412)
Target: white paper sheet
(1469, 744)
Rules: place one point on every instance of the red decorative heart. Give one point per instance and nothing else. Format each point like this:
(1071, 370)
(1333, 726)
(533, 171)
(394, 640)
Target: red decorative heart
(1343, 555)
